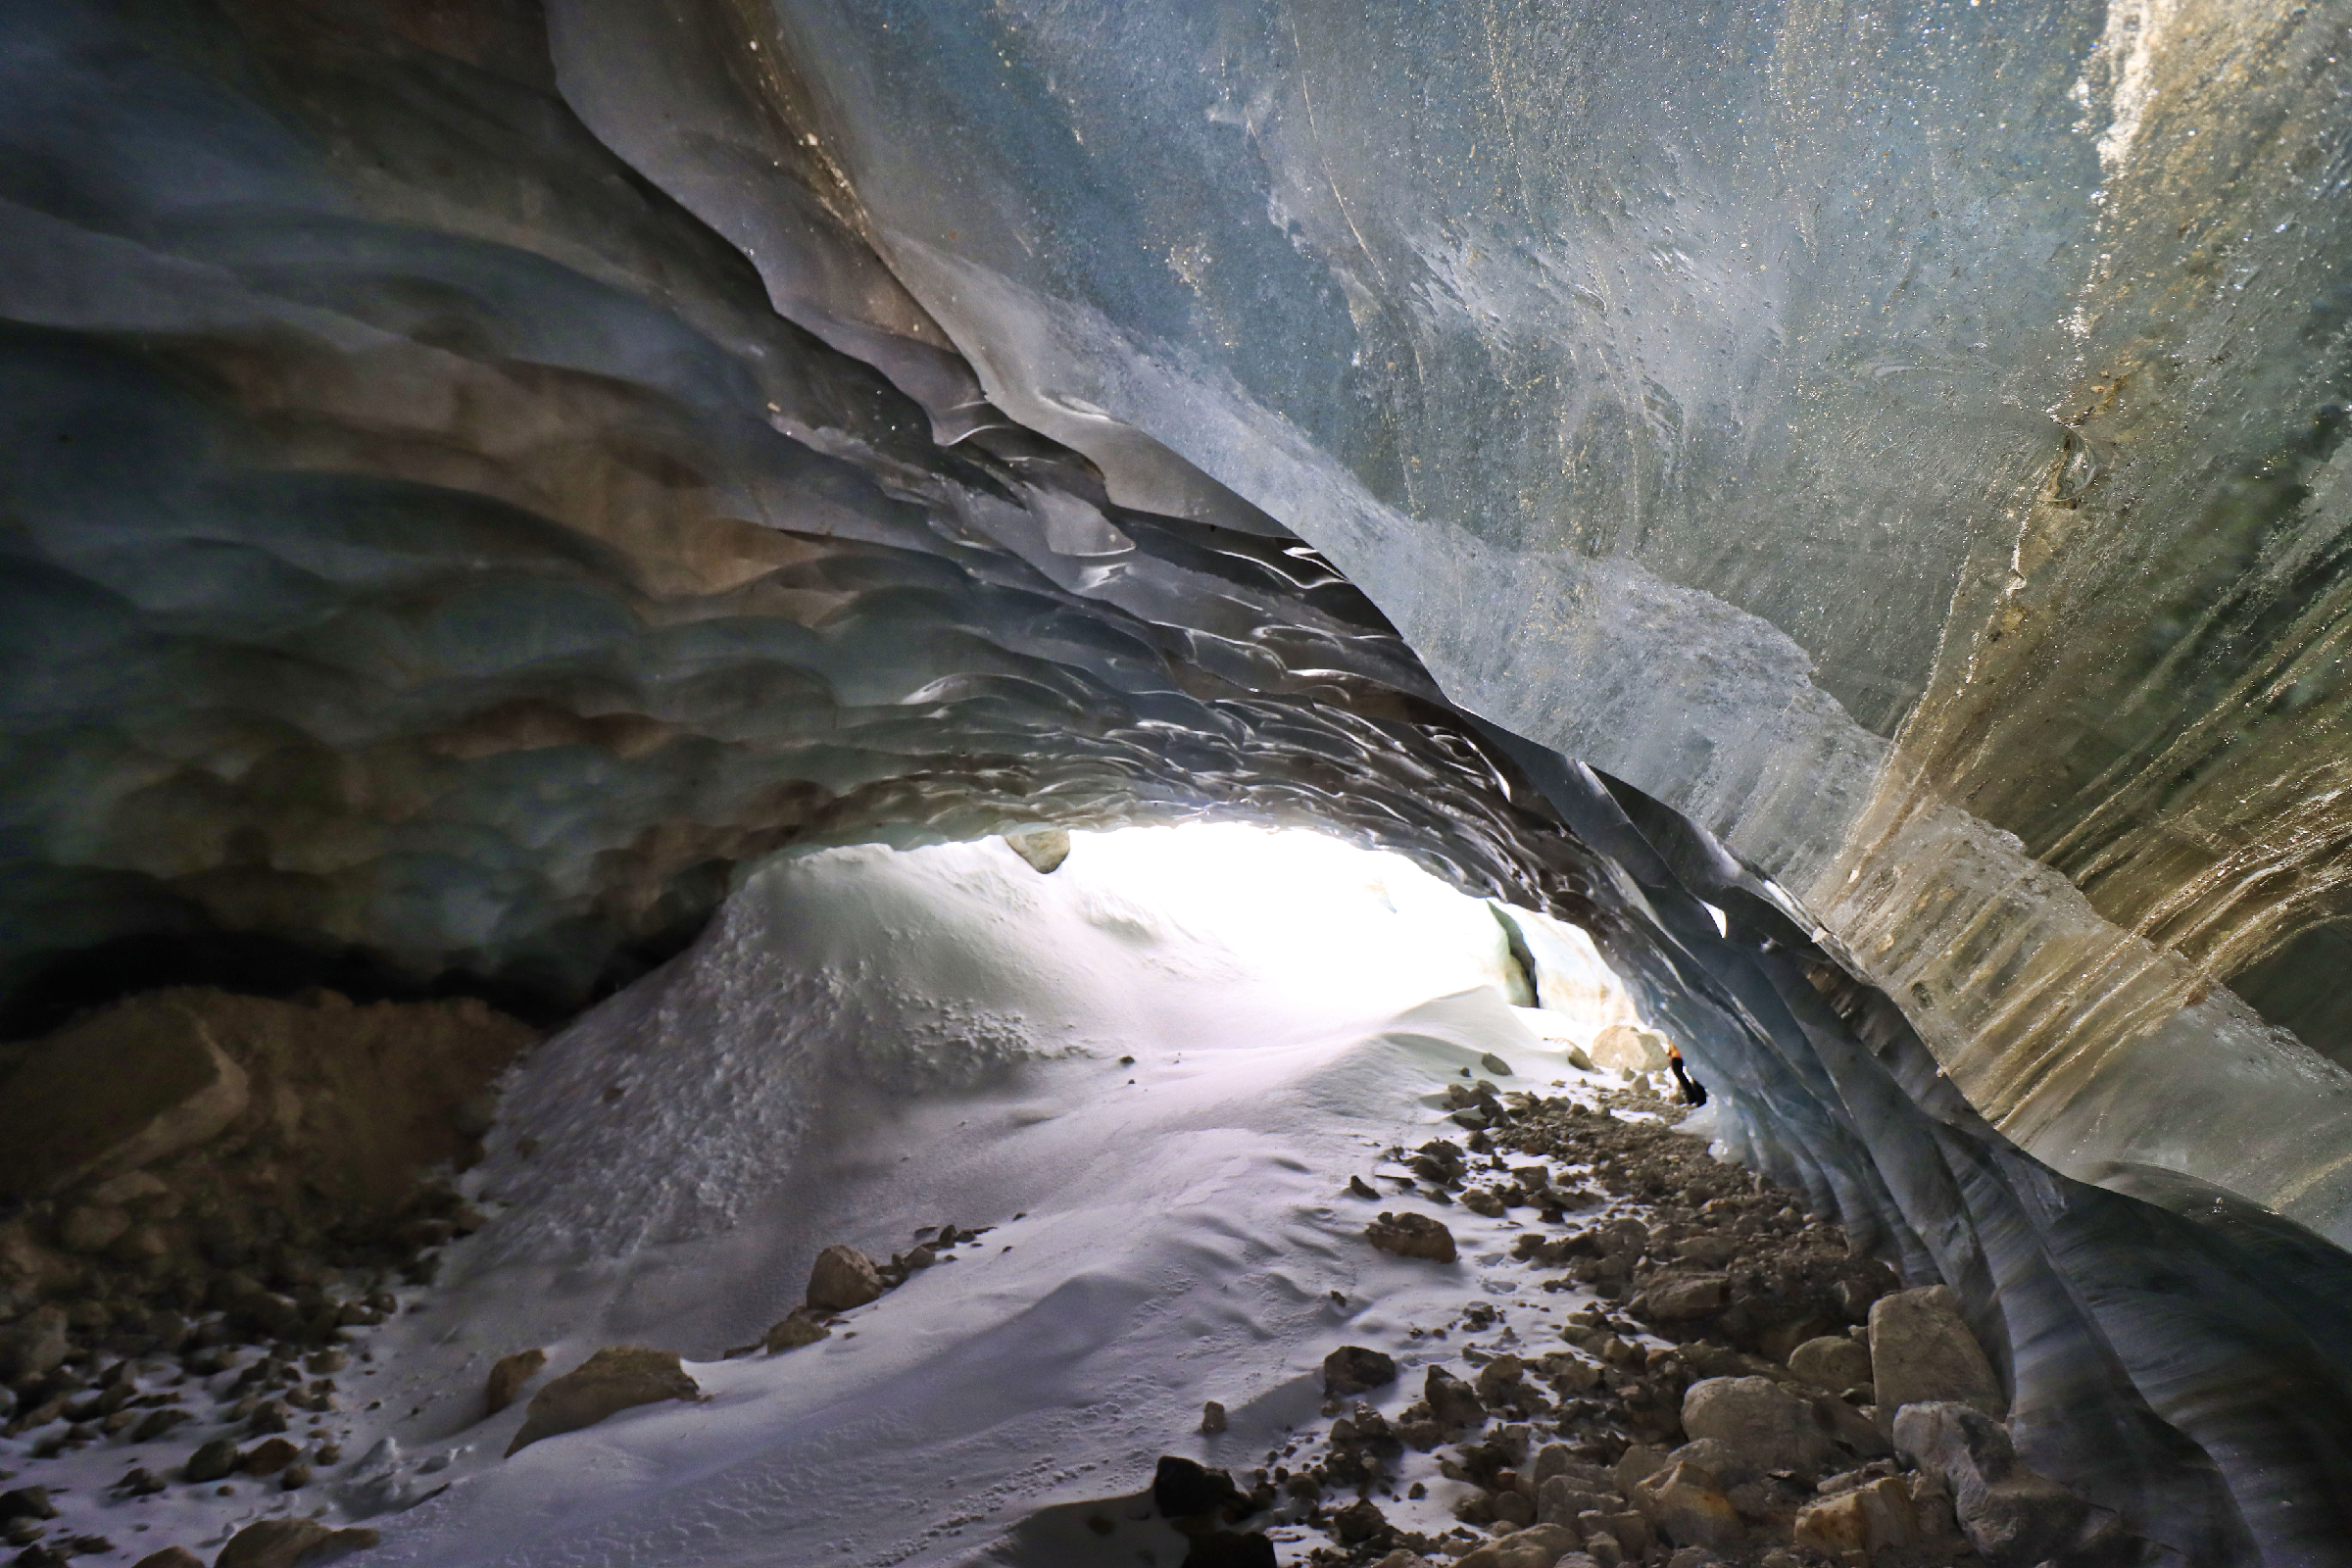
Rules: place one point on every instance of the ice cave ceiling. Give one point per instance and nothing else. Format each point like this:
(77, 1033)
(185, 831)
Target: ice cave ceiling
(478, 473)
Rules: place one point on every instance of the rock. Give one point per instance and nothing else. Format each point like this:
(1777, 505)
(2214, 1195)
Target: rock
(34, 1343)
(1401, 1558)
(26, 1503)
(1361, 1521)
(1920, 1351)
(1718, 1459)
(1637, 1465)
(1687, 1298)
(2012, 1516)
(1499, 1381)
(508, 1377)
(1357, 1187)
(1351, 1369)
(120, 1090)
(157, 1423)
(1758, 1419)
(1185, 1489)
(294, 1477)
(1536, 1547)
(1213, 1418)
(291, 1543)
(212, 1461)
(1869, 1519)
(616, 1378)
(91, 1227)
(1452, 1401)
(268, 1458)
(1563, 1499)
(843, 1278)
(796, 1328)
(1555, 1459)
(1686, 1506)
(1412, 1236)
(1043, 847)
(1500, 1069)
(1223, 1549)
(171, 1558)
(1625, 1046)
(1833, 1362)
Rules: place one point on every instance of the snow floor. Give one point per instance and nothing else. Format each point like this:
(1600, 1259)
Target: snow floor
(870, 1042)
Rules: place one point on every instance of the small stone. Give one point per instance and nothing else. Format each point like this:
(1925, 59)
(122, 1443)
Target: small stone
(1352, 1369)
(508, 1377)
(158, 1422)
(212, 1461)
(26, 1503)
(295, 1477)
(1500, 1069)
(843, 1278)
(268, 1458)
(1361, 1521)
(35, 1343)
(796, 1328)
(1213, 1418)
(1043, 847)
(271, 1417)
(1687, 1298)
(1501, 1380)
(1413, 1235)
(1185, 1489)
(143, 1482)
(291, 1543)
(616, 1378)
(1360, 1188)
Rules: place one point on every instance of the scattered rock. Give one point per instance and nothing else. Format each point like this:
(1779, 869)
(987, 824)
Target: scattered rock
(1868, 1520)
(797, 1327)
(1500, 1069)
(291, 1543)
(843, 1278)
(1351, 1369)
(1213, 1418)
(1536, 1547)
(1921, 1350)
(1688, 1508)
(1767, 1426)
(1834, 1361)
(2014, 1517)
(616, 1378)
(212, 1461)
(508, 1376)
(1412, 1236)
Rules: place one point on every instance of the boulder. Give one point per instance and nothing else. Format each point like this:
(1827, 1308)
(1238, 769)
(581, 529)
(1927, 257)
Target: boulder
(1043, 847)
(1834, 1361)
(291, 1543)
(1920, 1351)
(1563, 1499)
(794, 1329)
(1727, 1464)
(171, 1558)
(1412, 1236)
(616, 1378)
(1869, 1519)
(1685, 1505)
(1626, 1047)
(508, 1376)
(121, 1089)
(212, 1461)
(843, 1278)
(1352, 1369)
(2014, 1517)
(34, 1343)
(1536, 1547)
(269, 1457)
(1452, 1401)
(1636, 1465)
(1686, 1299)
(1186, 1488)
(1767, 1426)
(1500, 1379)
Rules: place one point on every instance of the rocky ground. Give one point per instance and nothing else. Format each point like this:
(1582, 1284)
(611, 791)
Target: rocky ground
(209, 1200)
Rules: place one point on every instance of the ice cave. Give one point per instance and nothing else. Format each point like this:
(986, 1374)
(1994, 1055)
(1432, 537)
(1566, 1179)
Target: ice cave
(1176, 783)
